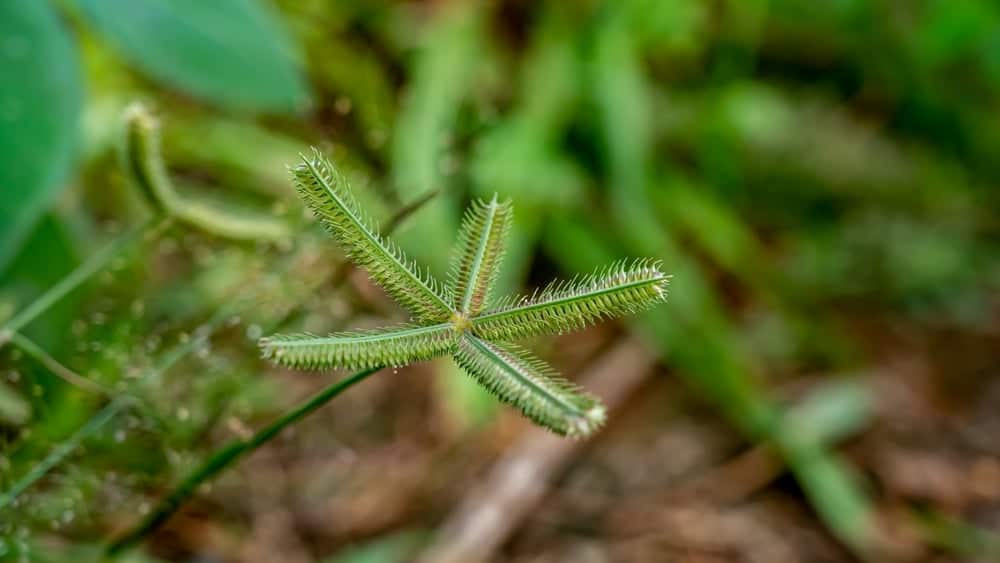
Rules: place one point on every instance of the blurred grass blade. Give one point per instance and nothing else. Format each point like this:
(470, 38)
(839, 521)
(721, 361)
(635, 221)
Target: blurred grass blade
(835, 492)
(622, 96)
(63, 449)
(833, 411)
(952, 533)
(39, 354)
(395, 547)
(440, 80)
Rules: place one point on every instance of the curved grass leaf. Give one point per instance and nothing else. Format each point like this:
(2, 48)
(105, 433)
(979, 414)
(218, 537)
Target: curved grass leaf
(39, 112)
(518, 378)
(566, 306)
(143, 160)
(355, 350)
(231, 52)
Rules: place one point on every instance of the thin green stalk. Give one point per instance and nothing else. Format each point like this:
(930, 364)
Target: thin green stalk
(77, 277)
(36, 352)
(225, 457)
(64, 449)
(409, 209)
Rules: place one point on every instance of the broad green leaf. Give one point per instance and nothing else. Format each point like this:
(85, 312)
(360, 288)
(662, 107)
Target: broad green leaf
(39, 111)
(231, 52)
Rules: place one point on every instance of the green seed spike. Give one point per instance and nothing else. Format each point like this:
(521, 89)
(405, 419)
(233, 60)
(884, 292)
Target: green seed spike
(522, 380)
(565, 306)
(327, 193)
(480, 250)
(357, 350)
(450, 319)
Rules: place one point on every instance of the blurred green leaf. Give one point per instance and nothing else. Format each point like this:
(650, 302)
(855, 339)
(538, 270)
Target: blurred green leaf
(441, 79)
(48, 255)
(521, 158)
(393, 548)
(13, 408)
(465, 402)
(829, 413)
(834, 490)
(231, 52)
(39, 112)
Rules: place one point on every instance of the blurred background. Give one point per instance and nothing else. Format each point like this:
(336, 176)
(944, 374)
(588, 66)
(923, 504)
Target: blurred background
(818, 177)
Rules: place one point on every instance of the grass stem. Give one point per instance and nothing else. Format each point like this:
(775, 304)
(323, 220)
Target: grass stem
(36, 352)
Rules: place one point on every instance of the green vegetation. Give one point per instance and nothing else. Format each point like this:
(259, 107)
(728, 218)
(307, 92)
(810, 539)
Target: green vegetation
(819, 180)
(457, 318)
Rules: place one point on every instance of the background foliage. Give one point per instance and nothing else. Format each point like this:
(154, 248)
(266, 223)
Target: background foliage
(820, 179)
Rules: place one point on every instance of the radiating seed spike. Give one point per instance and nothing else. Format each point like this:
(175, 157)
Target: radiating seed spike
(479, 252)
(326, 192)
(563, 307)
(400, 345)
(518, 378)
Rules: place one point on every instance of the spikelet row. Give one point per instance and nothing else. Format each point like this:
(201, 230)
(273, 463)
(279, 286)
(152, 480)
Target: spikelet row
(561, 307)
(479, 252)
(518, 378)
(355, 350)
(326, 192)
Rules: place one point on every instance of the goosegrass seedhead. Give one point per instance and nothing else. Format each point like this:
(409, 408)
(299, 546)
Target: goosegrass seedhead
(460, 317)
